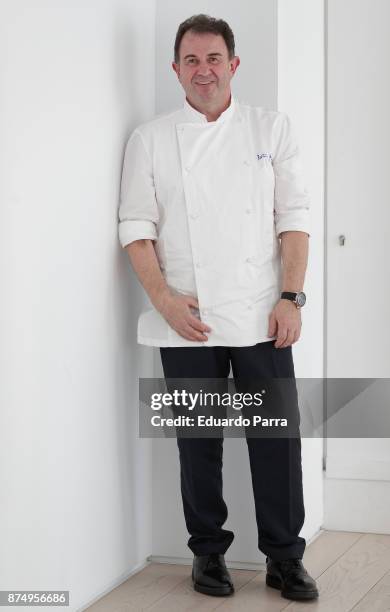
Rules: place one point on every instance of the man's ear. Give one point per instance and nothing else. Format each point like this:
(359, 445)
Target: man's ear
(234, 64)
(176, 68)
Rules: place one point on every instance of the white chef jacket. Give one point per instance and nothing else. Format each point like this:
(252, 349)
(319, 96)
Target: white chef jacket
(214, 197)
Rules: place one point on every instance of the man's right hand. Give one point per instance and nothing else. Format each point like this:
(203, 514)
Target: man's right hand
(176, 310)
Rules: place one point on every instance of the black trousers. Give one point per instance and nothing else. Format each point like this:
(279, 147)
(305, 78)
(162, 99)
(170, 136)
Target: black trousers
(275, 463)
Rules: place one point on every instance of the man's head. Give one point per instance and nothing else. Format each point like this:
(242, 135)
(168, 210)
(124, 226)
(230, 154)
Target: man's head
(204, 61)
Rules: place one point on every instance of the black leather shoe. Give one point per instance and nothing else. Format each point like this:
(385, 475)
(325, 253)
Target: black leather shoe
(210, 575)
(291, 578)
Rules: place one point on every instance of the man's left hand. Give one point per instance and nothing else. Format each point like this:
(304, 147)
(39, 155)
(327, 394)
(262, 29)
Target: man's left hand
(285, 322)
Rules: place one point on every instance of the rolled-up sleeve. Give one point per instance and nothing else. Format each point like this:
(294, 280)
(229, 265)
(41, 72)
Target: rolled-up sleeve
(138, 211)
(292, 201)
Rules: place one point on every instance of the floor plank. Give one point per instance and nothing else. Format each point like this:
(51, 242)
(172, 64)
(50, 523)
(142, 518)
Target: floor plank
(349, 579)
(319, 556)
(326, 549)
(184, 598)
(255, 596)
(352, 571)
(143, 589)
(377, 598)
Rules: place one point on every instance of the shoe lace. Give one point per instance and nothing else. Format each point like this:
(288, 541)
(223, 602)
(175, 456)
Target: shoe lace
(213, 560)
(289, 565)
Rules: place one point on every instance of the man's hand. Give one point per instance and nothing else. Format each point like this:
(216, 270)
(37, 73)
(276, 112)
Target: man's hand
(176, 309)
(285, 321)
(177, 312)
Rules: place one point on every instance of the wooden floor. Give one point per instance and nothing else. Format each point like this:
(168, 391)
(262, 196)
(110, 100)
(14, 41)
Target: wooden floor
(352, 572)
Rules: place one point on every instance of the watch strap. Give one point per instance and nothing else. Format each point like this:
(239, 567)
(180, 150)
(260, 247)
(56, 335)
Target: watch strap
(288, 295)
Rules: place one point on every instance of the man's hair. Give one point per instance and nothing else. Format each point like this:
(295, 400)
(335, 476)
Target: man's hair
(202, 24)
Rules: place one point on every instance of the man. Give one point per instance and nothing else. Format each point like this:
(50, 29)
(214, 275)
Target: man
(214, 217)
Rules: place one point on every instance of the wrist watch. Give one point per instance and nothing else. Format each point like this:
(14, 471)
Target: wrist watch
(298, 298)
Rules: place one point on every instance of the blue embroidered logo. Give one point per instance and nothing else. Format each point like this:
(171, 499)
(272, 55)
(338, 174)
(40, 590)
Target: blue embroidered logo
(264, 155)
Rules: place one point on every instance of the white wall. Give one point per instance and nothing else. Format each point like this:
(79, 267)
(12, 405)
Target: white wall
(301, 93)
(283, 72)
(74, 477)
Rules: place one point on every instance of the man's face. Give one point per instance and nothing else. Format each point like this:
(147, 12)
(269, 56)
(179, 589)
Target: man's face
(204, 69)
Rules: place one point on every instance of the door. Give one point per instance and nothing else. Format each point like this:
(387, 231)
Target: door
(358, 238)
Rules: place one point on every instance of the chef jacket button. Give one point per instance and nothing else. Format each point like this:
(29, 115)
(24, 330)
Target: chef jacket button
(247, 162)
(187, 168)
(193, 215)
(248, 211)
(249, 259)
(250, 307)
(198, 264)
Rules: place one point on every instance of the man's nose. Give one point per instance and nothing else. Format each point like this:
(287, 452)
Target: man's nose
(204, 69)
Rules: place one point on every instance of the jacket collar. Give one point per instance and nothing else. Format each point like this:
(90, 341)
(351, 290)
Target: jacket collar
(196, 116)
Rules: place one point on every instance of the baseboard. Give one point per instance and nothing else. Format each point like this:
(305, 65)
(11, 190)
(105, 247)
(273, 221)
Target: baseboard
(114, 584)
(257, 567)
(357, 505)
(357, 468)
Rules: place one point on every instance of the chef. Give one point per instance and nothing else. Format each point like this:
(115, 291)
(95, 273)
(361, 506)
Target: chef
(214, 216)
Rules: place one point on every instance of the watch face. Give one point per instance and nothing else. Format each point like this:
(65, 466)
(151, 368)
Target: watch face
(301, 299)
